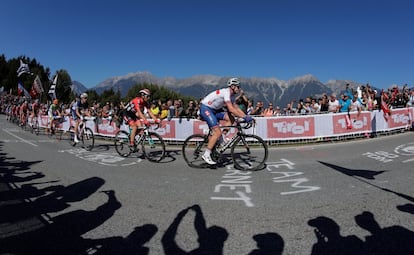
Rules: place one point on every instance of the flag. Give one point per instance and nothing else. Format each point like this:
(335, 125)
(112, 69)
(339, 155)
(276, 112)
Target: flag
(52, 89)
(37, 85)
(33, 92)
(23, 68)
(21, 90)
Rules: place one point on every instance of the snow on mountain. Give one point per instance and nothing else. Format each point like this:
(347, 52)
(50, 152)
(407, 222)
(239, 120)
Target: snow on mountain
(267, 90)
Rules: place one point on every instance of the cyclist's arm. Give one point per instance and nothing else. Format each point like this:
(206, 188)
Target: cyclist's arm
(87, 112)
(152, 115)
(78, 113)
(58, 112)
(81, 112)
(140, 114)
(235, 110)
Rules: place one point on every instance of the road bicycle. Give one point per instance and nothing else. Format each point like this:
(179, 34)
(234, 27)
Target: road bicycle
(150, 144)
(247, 151)
(85, 135)
(34, 125)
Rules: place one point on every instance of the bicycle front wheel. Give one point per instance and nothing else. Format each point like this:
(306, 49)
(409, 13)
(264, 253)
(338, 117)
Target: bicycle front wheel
(249, 152)
(88, 139)
(193, 148)
(153, 147)
(122, 143)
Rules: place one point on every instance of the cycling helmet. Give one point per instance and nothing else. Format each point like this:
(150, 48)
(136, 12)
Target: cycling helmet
(233, 81)
(84, 95)
(145, 92)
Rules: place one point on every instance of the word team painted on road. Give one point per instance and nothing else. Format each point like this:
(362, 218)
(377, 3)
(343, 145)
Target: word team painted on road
(286, 177)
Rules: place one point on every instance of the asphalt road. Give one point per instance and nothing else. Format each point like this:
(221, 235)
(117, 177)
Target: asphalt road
(333, 198)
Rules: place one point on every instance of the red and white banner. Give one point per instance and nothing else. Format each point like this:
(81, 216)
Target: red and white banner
(272, 128)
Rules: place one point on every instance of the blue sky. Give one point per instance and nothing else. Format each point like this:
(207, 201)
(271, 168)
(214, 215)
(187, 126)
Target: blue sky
(361, 40)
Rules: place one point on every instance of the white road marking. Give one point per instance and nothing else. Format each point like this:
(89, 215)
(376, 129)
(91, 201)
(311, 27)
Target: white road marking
(21, 139)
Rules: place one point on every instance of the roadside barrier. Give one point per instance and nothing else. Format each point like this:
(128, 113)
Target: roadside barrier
(277, 129)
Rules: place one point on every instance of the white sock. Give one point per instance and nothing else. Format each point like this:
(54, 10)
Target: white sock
(207, 152)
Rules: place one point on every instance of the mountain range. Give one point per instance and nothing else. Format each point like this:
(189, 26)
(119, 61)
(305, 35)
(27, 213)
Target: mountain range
(279, 92)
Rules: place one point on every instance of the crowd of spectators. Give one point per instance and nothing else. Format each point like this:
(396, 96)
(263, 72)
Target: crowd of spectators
(362, 98)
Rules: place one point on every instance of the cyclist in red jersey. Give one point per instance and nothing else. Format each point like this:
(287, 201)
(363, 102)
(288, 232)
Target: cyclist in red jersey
(35, 108)
(135, 113)
(23, 112)
(34, 111)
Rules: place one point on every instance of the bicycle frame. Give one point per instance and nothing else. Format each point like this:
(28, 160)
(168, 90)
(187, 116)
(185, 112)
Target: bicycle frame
(239, 133)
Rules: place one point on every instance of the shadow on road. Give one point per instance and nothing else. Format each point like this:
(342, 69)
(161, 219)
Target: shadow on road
(210, 239)
(26, 227)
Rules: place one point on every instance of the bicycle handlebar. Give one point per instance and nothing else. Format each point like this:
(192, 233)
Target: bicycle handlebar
(151, 122)
(243, 121)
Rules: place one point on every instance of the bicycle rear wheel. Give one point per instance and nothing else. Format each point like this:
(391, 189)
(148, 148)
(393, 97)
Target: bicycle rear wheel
(87, 139)
(153, 146)
(249, 152)
(193, 148)
(122, 143)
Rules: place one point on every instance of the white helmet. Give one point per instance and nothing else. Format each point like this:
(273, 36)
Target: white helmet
(233, 81)
(145, 92)
(84, 95)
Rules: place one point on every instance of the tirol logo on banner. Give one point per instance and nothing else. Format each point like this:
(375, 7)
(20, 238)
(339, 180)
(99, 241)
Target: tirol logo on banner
(290, 127)
(107, 127)
(166, 129)
(344, 123)
(200, 127)
(399, 118)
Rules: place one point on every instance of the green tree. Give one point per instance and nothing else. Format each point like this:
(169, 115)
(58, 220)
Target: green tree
(92, 96)
(110, 96)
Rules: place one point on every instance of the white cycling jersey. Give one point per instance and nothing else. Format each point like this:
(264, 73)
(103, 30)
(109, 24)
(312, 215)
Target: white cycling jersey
(216, 99)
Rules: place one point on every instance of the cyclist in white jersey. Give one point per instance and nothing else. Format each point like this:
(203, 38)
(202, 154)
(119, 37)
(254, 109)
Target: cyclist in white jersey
(212, 111)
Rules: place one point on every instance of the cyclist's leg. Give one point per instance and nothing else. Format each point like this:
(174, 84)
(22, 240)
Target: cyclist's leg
(213, 123)
(134, 126)
(49, 124)
(212, 118)
(75, 131)
(54, 124)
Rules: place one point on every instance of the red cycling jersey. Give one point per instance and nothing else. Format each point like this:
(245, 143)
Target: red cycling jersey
(138, 103)
(132, 109)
